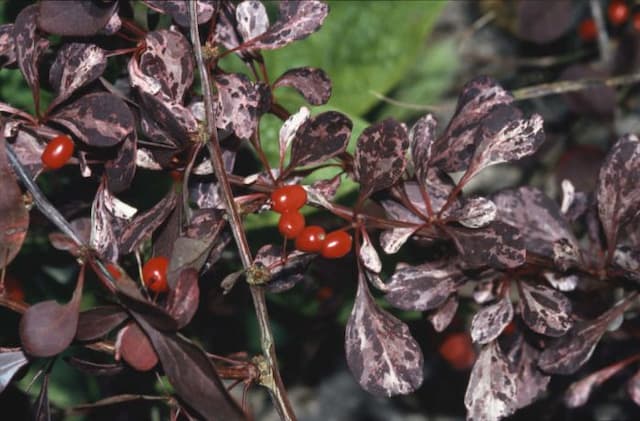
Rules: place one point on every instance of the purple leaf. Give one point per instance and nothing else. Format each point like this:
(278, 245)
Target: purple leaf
(11, 360)
(569, 352)
(289, 129)
(192, 375)
(7, 45)
(99, 119)
(438, 187)
(442, 317)
(48, 328)
(312, 83)
(107, 217)
(179, 10)
(498, 245)
(167, 122)
(133, 346)
(93, 368)
(183, 300)
(491, 393)
(480, 96)
(381, 353)
(29, 48)
(76, 65)
(393, 239)
(298, 20)
(143, 225)
(168, 60)
(531, 383)
(283, 276)
(544, 310)
(578, 392)
(320, 138)
(542, 22)
(99, 321)
(238, 103)
(368, 254)
(380, 156)
(421, 137)
(477, 212)
(424, 287)
(75, 17)
(14, 216)
(618, 192)
(252, 19)
(488, 323)
(29, 150)
(121, 170)
(227, 32)
(537, 217)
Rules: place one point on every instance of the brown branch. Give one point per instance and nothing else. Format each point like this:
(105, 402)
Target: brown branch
(272, 379)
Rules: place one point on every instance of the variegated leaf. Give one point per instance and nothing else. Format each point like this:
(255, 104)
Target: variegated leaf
(320, 138)
(476, 212)
(368, 254)
(441, 317)
(544, 310)
(381, 353)
(238, 103)
(578, 392)
(392, 240)
(488, 323)
(531, 383)
(75, 18)
(252, 19)
(289, 129)
(497, 245)
(492, 390)
(179, 11)
(421, 137)
(312, 83)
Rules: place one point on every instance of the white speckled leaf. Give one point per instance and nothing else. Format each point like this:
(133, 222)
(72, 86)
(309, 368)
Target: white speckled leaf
(252, 19)
(488, 323)
(544, 309)
(369, 255)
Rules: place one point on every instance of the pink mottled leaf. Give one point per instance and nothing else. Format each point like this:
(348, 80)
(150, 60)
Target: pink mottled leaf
(421, 137)
(252, 19)
(497, 245)
(320, 138)
(442, 317)
(238, 104)
(29, 48)
(531, 383)
(578, 392)
(312, 83)
(75, 17)
(488, 323)
(179, 10)
(544, 310)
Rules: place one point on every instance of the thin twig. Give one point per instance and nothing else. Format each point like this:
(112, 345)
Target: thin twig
(274, 383)
(603, 37)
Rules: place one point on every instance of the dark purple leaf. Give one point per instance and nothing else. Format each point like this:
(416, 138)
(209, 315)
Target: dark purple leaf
(491, 393)
(107, 217)
(498, 245)
(323, 191)
(192, 375)
(182, 301)
(424, 287)
(99, 321)
(381, 353)
(312, 83)
(11, 360)
(542, 21)
(320, 138)
(569, 352)
(537, 217)
(237, 106)
(618, 186)
(298, 20)
(179, 10)
(143, 225)
(252, 19)
(488, 323)
(633, 388)
(380, 156)
(82, 227)
(98, 119)
(169, 61)
(29, 48)
(42, 409)
(227, 33)
(477, 212)
(289, 129)
(75, 17)
(531, 383)
(368, 254)
(29, 150)
(578, 393)
(504, 136)
(48, 328)
(167, 122)
(14, 216)
(438, 187)
(544, 310)
(282, 277)
(421, 137)
(453, 150)
(442, 317)
(121, 170)
(76, 65)
(134, 347)
(7, 45)
(95, 369)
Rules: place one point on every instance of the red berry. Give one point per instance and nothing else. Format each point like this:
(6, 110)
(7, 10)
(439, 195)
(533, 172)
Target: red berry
(114, 271)
(291, 224)
(13, 289)
(57, 152)
(154, 274)
(588, 30)
(288, 198)
(457, 349)
(618, 12)
(311, 239)
(336, 244)
(635, 20)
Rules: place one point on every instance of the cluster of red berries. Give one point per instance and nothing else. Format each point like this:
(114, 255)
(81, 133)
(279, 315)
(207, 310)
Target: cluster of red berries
(57, 152)
(287, 201)
(617, 13)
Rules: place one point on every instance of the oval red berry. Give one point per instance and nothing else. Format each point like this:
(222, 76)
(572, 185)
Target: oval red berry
(154, 274)
(311, 239)
(291, 224)
(336, 244)
(588, 30)
(618, 12)
(288, 198)
(58, 152)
